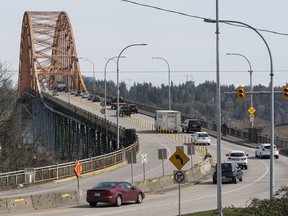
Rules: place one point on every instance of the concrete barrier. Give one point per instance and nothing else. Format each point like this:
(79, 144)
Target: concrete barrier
(3, 206)
(205, 167)
(20, 204)
(144, 185)
(67, 199)
(167, 182)
(44, 201)
(155, 184)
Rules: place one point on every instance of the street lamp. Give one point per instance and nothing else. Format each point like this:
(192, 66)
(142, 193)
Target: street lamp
(251, 87)
(87, 59)
(118, 90)
(169, 82)
(105, 88)
(272, 172)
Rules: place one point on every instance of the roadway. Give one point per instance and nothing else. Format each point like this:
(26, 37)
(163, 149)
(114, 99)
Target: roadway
(194, 197)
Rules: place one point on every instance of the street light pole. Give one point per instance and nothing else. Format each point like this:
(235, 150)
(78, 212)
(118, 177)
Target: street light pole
(118, 90)
(87, 59)
(251, 87)
(272, 172)
(105, 86)
(169, 82)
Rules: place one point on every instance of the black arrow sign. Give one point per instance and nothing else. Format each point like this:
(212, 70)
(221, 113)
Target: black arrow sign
(179, 158)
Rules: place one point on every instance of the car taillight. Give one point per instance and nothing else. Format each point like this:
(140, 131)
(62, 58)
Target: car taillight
(230, 158)
(243, 158)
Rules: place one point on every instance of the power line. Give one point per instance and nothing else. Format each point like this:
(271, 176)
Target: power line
(199, 17)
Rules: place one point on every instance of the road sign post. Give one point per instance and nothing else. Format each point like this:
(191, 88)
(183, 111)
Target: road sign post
(191, 151)
(78, 171)
(162, 154)
(179, 159)
(144, 161)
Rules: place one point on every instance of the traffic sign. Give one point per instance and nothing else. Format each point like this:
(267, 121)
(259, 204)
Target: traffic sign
(102, 111)
(143, 158)
(78, 169)
(251, 110)
(179, 177)
(179, 159)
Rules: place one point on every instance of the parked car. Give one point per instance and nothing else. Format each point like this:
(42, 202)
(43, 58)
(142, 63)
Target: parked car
(263, 151)
(239, 157)
(115, 193)
(200, 138)
(191, 125)
(133, 108)
(230, 173)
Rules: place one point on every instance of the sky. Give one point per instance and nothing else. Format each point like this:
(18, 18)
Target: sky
(103, 28)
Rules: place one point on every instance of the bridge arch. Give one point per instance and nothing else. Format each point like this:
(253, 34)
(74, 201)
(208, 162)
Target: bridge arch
(48, 54)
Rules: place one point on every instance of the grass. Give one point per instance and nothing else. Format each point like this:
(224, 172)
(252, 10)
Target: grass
(226, 211)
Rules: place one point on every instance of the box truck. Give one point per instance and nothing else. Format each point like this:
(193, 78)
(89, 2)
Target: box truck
(168, 120)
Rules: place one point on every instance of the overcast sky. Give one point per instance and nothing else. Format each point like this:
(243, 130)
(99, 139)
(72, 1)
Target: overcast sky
(102, 28)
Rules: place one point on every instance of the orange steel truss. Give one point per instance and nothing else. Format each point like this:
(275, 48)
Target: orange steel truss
(48, 53)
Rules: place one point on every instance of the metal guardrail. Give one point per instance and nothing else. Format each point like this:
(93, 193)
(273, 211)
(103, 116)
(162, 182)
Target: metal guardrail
(59, 171)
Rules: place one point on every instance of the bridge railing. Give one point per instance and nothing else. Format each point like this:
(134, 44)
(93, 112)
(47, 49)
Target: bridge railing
(247, 134)
(59, 171)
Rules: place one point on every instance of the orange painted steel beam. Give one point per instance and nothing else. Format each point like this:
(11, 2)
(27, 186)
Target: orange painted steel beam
(48, 53)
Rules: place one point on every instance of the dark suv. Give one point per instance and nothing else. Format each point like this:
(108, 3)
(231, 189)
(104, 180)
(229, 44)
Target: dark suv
(124, 111)
(230, 173)
(133, 108)
(191, 125)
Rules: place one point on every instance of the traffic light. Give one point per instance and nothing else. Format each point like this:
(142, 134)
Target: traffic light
(241, 93)
(285, 92)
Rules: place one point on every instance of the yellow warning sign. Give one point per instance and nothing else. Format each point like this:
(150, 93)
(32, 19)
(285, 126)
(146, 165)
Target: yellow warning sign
(251, 110)
(179, 159)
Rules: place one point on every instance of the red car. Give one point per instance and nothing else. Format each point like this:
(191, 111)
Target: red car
(114, 192)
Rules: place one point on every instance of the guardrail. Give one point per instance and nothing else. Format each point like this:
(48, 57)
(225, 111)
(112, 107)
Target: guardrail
(59, 171)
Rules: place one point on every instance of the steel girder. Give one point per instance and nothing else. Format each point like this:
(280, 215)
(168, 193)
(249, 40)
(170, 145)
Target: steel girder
(48, 53)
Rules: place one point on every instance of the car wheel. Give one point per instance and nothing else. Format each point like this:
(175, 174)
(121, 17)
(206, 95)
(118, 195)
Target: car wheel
(240, 179)
(235, 180)
(256, 155)
(118, 201)
(139, 198)
(246, 167)
(277, 156)
(92, 204)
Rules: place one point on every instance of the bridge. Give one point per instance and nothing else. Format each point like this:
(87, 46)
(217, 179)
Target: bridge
(48, 56)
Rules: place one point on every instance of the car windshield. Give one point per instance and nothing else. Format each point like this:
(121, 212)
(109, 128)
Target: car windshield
(237, 154)
(105, 185)
(268, 147)
(203, 135)
(226, 167)
(191, 122)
